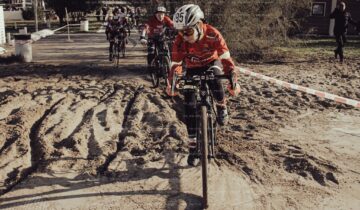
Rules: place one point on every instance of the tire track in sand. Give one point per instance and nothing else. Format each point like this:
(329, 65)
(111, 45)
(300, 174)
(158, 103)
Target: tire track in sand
(120, 144)
(37, 154)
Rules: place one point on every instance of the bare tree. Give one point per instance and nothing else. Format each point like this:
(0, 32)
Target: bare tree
(250, 27)
(79, 7)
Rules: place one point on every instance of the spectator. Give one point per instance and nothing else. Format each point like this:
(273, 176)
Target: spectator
(104, 12)
(98, 15)
(342, 20)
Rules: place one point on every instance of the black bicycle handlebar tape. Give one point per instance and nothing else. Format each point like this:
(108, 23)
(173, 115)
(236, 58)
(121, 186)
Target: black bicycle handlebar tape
(223, 76)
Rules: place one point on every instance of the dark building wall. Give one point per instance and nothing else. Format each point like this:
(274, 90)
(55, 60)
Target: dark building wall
(319, 24)
(354, 8)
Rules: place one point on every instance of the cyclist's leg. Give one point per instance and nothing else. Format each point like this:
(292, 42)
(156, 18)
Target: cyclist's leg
(216, 85)
(137, 18)
(219, 95)
(126, 38)
(190, 120)
(190, 116)
(107, 34)
(190, 109)
(151, 52)
(111, 46)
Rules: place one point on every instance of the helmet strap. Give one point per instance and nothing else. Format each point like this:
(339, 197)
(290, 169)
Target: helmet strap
(199, 30)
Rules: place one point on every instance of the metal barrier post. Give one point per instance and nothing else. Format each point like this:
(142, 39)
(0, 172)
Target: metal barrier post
(8, 38)
(23, 46)
(68, 26)
(2, 26)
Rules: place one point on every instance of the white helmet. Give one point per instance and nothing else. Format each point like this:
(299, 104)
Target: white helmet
(187, 16)
(121, 15)
(160, 9)
(343, 4)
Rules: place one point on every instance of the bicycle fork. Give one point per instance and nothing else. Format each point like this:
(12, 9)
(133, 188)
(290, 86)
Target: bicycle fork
(206, 99)
(211, 134)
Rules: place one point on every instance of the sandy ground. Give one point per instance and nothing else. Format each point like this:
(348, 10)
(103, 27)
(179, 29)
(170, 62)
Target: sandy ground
(78, 133)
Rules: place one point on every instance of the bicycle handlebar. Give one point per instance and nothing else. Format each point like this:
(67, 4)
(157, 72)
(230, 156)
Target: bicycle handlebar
(160, 39)
(207, 76)
(167, 34)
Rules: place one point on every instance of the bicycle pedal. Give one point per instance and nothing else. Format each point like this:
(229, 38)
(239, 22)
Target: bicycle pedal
(211, 156)
(197, 155)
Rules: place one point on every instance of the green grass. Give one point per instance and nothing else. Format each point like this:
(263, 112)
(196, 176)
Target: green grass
(317, 47)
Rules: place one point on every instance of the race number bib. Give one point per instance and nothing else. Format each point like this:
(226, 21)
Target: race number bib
(180, 18)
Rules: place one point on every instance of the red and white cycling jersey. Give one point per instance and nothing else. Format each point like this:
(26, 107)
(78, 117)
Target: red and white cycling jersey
(201, 53)
(122, 19)
(115, 24)
(155, 27)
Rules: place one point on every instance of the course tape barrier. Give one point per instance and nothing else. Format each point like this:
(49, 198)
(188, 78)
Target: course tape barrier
(58, 29)
(317, 93)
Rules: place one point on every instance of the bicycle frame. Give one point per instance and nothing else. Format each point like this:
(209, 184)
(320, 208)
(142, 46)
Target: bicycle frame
(119, 45)
(161, 47)
(205, 98)
(162, 59)
(205, 120)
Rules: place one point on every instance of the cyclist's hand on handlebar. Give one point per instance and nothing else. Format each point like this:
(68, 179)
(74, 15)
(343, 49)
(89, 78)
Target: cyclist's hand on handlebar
(233, 87)
(235, 90)
(143, 40)
(171, 91)
(178, 72)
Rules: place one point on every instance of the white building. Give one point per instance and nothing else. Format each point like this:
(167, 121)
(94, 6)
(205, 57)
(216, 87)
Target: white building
(2, 27)
(114, 2)
(24, 4)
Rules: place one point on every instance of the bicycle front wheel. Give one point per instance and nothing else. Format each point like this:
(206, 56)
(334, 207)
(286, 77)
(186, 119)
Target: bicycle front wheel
(116, 54)
(165, 69)
(204, 154)
(113, 52)
(123, 47)
(211, 135)
(154, 68)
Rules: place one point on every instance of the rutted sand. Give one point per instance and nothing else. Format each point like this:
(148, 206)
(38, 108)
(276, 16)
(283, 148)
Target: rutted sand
(76, 133)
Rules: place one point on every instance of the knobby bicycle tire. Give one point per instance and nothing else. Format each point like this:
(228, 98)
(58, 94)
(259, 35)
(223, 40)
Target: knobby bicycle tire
(113, 53)
(123, 47)
(116, 54)
(204, 154)
(154, 68)
(212, 136)
(166, 64)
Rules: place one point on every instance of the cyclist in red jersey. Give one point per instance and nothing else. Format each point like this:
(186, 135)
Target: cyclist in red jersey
(153, 27)
(198, 47)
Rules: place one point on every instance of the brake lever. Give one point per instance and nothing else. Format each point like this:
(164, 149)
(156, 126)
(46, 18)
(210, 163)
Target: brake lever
(173, 83)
